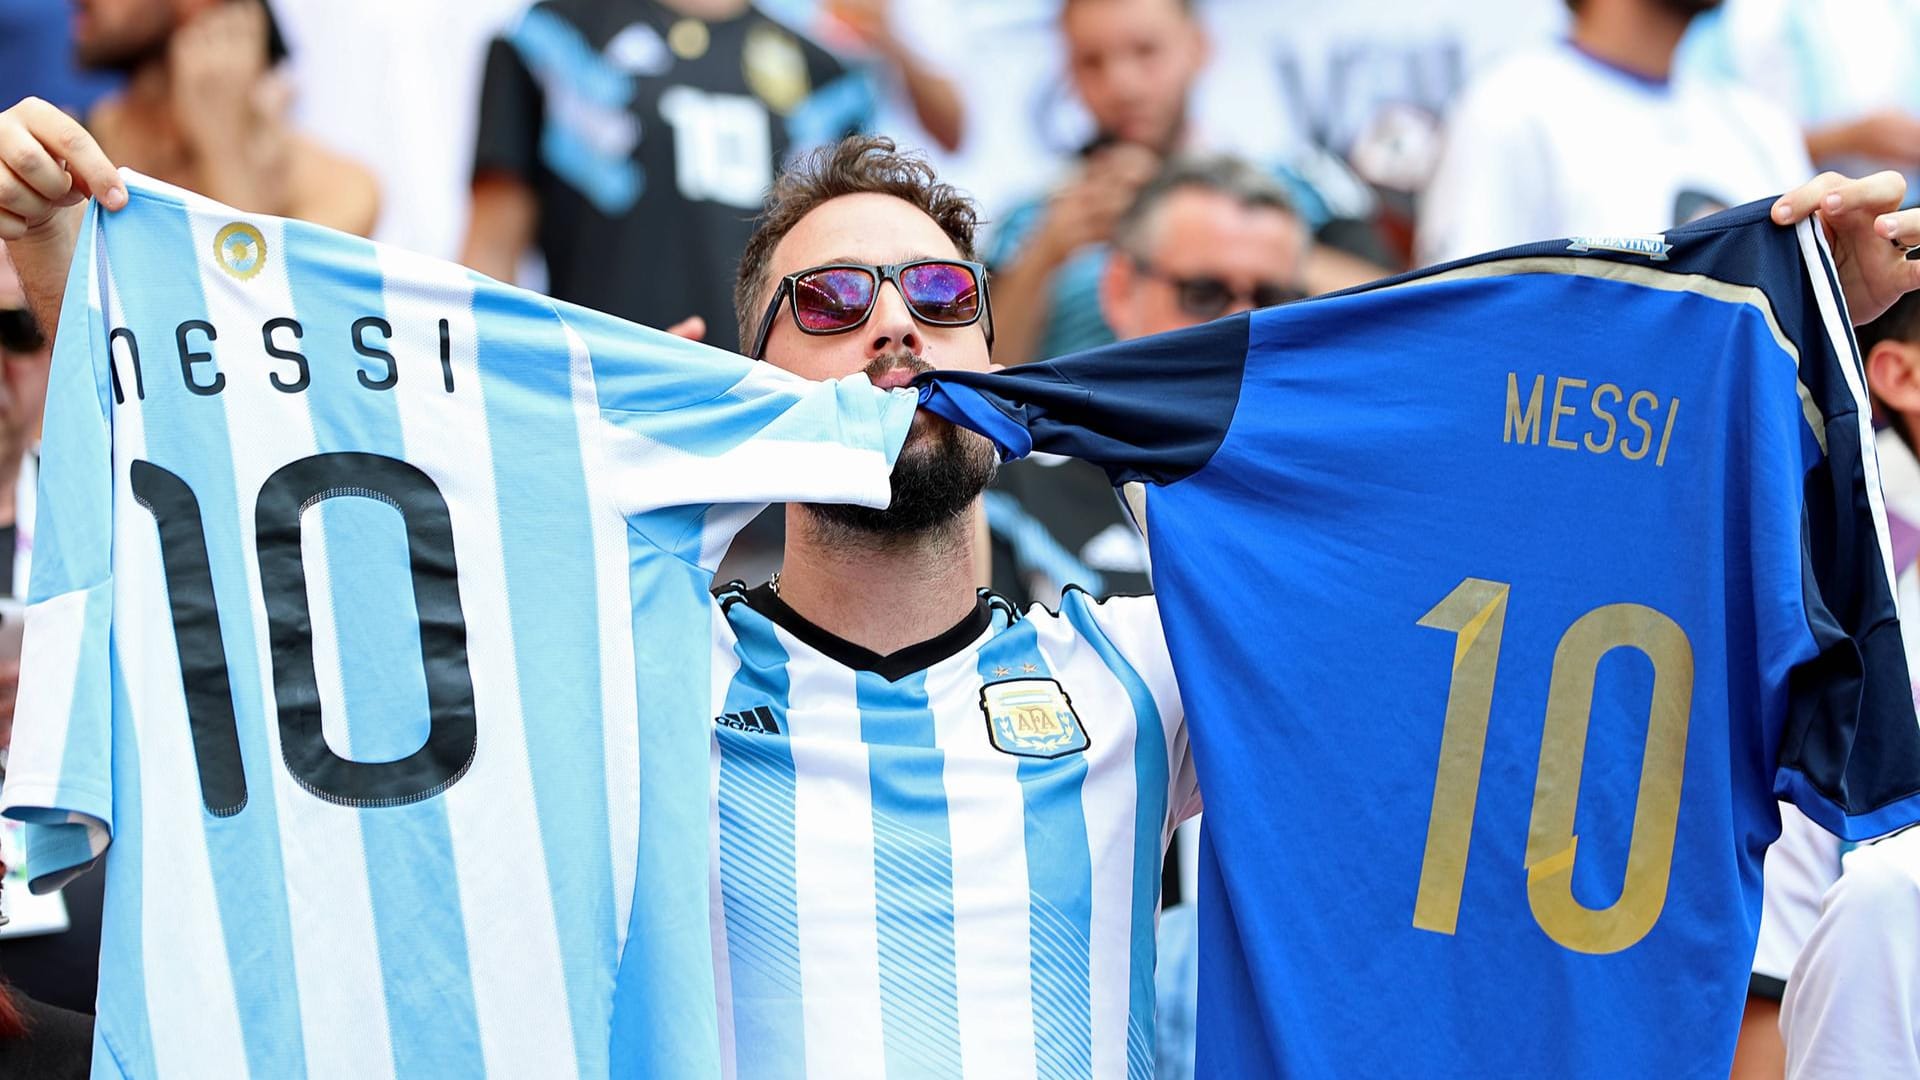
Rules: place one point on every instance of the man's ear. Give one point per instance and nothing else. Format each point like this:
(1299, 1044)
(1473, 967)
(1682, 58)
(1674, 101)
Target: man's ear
(1116, 293)
(1893, 374)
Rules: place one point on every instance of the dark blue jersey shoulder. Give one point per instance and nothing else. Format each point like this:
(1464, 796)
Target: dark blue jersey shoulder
(1154, 409)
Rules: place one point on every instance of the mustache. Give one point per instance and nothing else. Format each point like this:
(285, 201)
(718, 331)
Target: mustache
(886, 362)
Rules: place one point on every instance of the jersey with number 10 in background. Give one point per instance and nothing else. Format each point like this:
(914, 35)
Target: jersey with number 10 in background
(369, 626)
(1504, 598)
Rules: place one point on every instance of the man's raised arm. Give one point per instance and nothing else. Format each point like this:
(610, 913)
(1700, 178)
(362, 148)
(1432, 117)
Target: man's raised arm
(49, 164)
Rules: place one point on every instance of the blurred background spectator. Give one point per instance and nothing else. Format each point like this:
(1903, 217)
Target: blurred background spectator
(1135, 64)
(396, 85)
(1600, 135)
(629, 142)
(1841, 67)
(203, 108)
(1206, 238)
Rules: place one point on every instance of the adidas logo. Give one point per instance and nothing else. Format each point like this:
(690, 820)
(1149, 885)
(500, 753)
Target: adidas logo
(758, 720)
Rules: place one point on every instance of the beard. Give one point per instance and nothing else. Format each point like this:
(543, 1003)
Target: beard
(939, 473)
(123, 54)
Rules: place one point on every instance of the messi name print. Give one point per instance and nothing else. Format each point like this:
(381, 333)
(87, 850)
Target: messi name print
(1505, 598)
(368, 625)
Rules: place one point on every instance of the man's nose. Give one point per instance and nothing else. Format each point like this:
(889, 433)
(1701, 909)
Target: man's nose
(891, 327)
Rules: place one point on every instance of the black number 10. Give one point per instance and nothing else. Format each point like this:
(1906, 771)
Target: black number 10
(451, 735)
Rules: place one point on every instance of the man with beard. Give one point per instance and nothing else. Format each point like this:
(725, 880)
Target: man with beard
(1598, 135)
(939, 821)
(203, 110)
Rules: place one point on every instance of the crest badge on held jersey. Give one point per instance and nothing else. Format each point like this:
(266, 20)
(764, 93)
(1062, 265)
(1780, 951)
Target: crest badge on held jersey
(1031, 718)
(240, 250)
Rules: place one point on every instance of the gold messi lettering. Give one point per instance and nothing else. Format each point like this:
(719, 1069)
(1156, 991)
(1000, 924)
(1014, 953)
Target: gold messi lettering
(1601, 427)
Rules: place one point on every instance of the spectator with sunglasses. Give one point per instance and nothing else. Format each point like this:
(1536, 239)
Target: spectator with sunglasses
(1207, 237)
(938, 819)
(1134, 65)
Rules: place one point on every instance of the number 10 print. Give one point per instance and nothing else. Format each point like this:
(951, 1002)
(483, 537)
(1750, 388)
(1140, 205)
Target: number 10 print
(1476, 613)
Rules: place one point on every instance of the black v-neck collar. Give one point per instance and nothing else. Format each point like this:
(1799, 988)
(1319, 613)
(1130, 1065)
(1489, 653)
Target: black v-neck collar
(892, 667)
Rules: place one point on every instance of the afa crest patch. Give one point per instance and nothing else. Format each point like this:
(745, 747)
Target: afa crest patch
(1031, 718)
(240, 250)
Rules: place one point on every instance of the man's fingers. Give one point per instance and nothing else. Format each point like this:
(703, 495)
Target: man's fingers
(65, 139)
(693, 328)
(1875, 194)
(1795, 205)
(1833, 194)
(22, 200)
(29, 164)
(12, 226)
(1903, 228)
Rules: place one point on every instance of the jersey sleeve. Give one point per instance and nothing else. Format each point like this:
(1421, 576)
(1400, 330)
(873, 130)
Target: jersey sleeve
(60, 776)
(691, 435)
(507, 139)
(1850, 751)
(1154, 409)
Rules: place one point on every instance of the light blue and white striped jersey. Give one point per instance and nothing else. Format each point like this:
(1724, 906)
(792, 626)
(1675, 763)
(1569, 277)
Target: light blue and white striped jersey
(369, 625)
(945, 862)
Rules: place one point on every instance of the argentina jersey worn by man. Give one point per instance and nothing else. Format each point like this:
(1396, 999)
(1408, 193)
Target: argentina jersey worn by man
(1504, 599)
(943, 862)
(368, 626)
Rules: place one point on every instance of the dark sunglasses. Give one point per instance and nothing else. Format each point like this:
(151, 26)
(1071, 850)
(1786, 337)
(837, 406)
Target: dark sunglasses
(839, 297)
(1208, 297)
(19, 332)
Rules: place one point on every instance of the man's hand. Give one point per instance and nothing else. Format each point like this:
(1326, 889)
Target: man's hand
(48, 165)
(1086, 211)
(1869, 232)
(217, 61)
(48, 162)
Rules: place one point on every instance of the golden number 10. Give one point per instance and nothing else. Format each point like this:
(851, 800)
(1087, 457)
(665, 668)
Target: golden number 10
(1476, 613)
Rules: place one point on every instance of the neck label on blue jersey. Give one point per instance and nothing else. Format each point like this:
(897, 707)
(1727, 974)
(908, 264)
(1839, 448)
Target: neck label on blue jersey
(1032, 718)
(1653, 246)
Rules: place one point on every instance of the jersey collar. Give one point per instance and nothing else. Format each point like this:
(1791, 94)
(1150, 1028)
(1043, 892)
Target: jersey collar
(893, 666)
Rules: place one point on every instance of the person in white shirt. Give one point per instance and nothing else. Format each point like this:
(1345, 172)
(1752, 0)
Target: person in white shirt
(1598, 135)
(1852, 1006)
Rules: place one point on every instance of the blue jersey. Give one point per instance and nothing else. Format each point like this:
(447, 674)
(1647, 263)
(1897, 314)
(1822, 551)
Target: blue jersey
(1504, 599)
(368, 624)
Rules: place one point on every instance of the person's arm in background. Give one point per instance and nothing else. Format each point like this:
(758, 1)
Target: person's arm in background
(1081, 213)
(506, 210)
(1889, 137)
(233, 114)
(936, 100)
(501, 225)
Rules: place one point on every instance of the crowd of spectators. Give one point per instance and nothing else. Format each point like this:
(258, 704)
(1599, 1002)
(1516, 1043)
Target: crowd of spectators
(1143, 164)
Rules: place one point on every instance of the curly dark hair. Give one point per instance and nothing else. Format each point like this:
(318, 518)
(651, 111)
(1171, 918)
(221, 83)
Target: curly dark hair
(858, 164)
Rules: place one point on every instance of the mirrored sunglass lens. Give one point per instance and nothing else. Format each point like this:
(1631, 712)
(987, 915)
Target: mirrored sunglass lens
(1272, 295)
(832, 299)
(942, 292)
(1204, 297)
